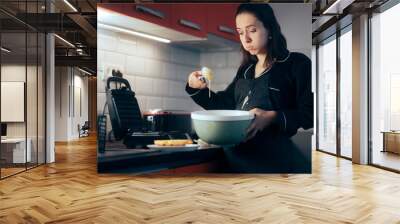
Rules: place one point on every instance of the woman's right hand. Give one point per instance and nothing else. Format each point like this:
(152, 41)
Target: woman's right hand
(195, 82)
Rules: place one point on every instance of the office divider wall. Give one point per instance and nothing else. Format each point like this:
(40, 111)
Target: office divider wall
(22, 77)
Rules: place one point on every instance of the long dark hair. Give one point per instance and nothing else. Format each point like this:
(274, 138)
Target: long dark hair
(276, 47)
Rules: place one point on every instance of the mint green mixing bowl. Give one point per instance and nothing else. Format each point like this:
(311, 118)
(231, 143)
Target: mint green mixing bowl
(222, 127)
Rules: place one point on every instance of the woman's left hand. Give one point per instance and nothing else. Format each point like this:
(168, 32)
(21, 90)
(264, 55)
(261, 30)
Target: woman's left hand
(263, 118)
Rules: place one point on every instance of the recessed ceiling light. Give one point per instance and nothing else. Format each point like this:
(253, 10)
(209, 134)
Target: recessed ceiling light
(64, 40)
(331, 7)
(86, 72)
(123, 30)
(70, 5)
(337, 7)
(5, 50)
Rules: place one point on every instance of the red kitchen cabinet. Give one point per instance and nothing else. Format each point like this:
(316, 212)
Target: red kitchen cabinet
(155, 13)
(209, 167)
(190, 19)
(198, 168)
(221, 20)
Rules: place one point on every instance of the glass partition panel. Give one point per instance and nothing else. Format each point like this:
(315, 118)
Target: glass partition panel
(346, 93)
(31, 98)
(41, 109)
(327, 96)
(23, 88)
(14, 153)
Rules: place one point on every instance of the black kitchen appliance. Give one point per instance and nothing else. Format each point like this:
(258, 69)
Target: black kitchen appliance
(126, 118)
(168, 121)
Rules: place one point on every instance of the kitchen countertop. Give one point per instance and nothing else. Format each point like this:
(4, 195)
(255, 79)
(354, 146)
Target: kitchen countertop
(137, 161)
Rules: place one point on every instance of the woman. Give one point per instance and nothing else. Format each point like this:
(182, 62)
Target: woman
(272, 83)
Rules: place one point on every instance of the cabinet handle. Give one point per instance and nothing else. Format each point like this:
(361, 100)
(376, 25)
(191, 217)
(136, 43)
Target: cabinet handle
(150, 11)
(226, 29)
(189, 24)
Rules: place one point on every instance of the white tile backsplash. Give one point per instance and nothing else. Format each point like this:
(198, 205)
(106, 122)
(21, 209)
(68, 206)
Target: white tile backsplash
(154, 103)
(184, 56)
(219, 75)
(170, 103)
(161, 87)
(158, 72)
(234, 59)
(107, 42)
(145, 48)
(142, 100)
(115, 58)
(230, 74)
(205, 59)
(186, 70)
(191, 58)
(101, 100)
(162, 51)
(100, 60)
(127, 44)
(177, 89)
(143, 85)
(214, 59)
(177, 55)
(135, 65)
(153, 68)
(132, 81)
(182, 72)
(101, 86)
(169, 70)
(194, 106)
(177, 103)
(183, 103)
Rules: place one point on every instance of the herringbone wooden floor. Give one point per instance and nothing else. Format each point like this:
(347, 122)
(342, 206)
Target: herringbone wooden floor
(70, 191)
